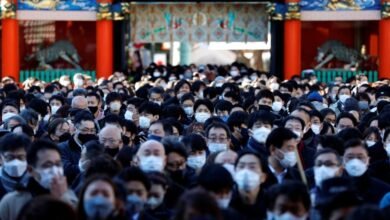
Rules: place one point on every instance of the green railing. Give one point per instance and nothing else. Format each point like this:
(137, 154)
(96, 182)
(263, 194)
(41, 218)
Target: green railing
(50, 75)
(327, 76)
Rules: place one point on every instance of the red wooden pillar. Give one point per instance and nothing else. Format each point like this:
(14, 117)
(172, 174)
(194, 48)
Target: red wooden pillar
(10, 42)
(104, 43)
(384, 42)
(292, 40)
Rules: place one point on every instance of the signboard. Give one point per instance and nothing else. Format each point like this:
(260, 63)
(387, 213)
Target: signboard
(339, 5)
(60, 5)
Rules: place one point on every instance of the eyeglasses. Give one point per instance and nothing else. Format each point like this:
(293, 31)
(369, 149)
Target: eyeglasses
(325, 163)
(110, 141)
(220, 140)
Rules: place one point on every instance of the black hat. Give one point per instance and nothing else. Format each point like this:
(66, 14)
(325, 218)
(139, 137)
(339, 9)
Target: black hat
(383, 91)
(351, 104)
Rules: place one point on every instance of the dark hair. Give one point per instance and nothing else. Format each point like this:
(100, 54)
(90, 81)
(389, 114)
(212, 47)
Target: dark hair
(261, 116)
(236, 119)
(93, 149)
(194, 142)
(353, 143)
(47, 207)
(27, 130)
(215, 178)
(223, 105)
(30, 116)
(293, 190)
(262, 161)
(218, 125)
(113, 96)
(36, 147)
(315, 113)
(333, 142)
(350, 133)
(278, 136)
(150, 108)
(103, 164)
(12, 142)
(135, 174)
(209, 105)
(51, 128)
(167, 127)
(384, 120)
(328, 151)
(371, 130)
(180, 84)
(172, 144)
(60, 98)
(158, 179)
(39, 106)
(96, 95)
(113, 119)
(130, 127)
(346, 115)
(326, 111)
(157, 90)
(83, 115)
(265, 93)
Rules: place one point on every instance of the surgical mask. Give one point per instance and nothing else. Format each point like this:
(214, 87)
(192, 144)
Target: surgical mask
(47, 175)
(46, 118)
(93, 109)
(129, 115)
(115, 106)
(289, 159)
(316, 128)
(54, 108)
(98, 207)
(247, 179)
(229, 167)
(343, 98)
(223, 203)
(158, 102)
(225, 118)
(144, 122)
(201, 117)
(363, 105)
(323, 173)
(277, 106)
(196, 162)
(261, 134)
(355, 167)
(83, 165)
(288, 216)
(154, 202)
(387, 148)
(217, 147)
(156, 74)
(7, 115)
(370, 143)
(64, 137)
(151, 163)
(189, 110)
(234, 73)
(297, 133)
(15, 168)
(134, 204)
(253, 77)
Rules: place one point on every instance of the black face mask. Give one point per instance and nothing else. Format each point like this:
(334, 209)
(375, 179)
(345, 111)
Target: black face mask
(244, 135)
(84, 138)
(177, 176)
(125, 140)
(112, 151)
(64, 137)
(93, 109)
(265, 108)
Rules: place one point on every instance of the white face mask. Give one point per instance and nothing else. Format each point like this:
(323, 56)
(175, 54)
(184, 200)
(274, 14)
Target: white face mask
(316, 128)
(83, 165)
(355, 167)
(7, 115)
(287, 216)
(200, 94)
(277, 106)
(253, 77)
(201, 117)
(156, 74)
(323, 173)
(297, 133)
(223, 203)
(387, 148)
(15, 168)
(129, 115)
(261, 134)
(151, 163)
(289, 160)
(234, 73)
(115, 106)
(229, 167)
(370, 143)
(247, 179)
(154, 202)
(54, 108)
(343, 98)
(47, 175)
(196, 162)
(144, 122)
(217, 147)
(189, 110)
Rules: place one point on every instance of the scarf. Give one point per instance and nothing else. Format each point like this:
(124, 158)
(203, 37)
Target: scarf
(10, 183)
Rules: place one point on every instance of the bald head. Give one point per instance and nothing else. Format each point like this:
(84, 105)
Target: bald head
(228, 156)
(151, 148)
(110, 136)
(79, 102)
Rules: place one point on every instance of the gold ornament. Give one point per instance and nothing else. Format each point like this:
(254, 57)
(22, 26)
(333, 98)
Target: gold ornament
(293, 11)
(104, 11)
(385, 11)
(272, 13)
(9, 11)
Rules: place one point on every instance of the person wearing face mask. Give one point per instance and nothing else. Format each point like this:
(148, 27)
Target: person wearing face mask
(114, 104)
(222, 109)
(58, 130)
(137, 185)
(264, 99)
(100, 200)
(110, 137)
(218, 137)
(203, 109)
(306, 152)
(248, 198)
(281, 144)
(182, 87)
(156, 95)
(149, 112)
(187, 104)
(343, 94)
(155, 206)
(95, 105)
(71, 149)
(237, 123)
(13, 150)
(196, 147)
(288, 200)
(345, 120)
(8, 109)
(151, 156)
(55, 102)
(46, 178)
(260, 124)
(218, 181)
(356, 163)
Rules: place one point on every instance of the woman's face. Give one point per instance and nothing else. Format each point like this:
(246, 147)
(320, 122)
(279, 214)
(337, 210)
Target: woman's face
(8, 109)
(102, 188)
(203, 108)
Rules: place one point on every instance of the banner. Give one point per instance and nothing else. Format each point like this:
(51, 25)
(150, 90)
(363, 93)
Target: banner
(60, 5)
(340, 5)
(199, 22)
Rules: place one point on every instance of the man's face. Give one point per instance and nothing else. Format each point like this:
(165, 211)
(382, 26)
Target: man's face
(46, 159)
(302, 115)
(295, 126)
(55, 102)
(330, 118)
(152, 150)
(137, 188)
(328, 160)
(110, 139)
(157, 130)
(344, 123)
(92, 101)
(175, 162)
(86, 127)
(218, 135)
(62, 129)
(19, 154)
(265, 101)
(356, 153)
(156, 97)
(283, 204)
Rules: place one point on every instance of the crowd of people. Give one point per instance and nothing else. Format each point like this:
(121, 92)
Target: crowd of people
(195, 143)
